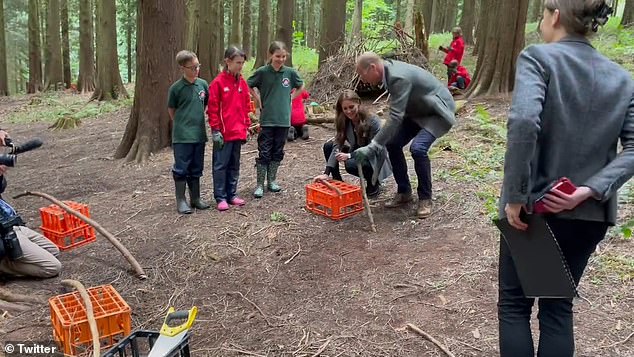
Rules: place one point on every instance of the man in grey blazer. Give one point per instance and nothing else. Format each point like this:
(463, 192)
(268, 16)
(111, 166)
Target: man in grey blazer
(421, 111)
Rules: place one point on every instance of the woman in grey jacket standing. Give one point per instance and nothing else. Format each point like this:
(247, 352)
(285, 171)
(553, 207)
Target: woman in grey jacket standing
(571, 106)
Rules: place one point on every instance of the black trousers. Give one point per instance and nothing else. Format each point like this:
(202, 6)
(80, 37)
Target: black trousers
(577, 239)
(271, 141)
(189, 160)
(351, 167)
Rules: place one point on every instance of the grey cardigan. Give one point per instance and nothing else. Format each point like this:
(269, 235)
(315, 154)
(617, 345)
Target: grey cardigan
(571, 105)
(418, 96)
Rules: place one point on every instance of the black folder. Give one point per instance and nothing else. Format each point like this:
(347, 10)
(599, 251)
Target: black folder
(540, 264)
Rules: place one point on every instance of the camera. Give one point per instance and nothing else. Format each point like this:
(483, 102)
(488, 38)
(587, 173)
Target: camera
(10, 246)
(11, 158)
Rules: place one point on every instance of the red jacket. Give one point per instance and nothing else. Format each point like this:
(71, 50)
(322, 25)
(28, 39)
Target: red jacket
(462, 72)
(456, 52)
(228, 107)
(298, 116)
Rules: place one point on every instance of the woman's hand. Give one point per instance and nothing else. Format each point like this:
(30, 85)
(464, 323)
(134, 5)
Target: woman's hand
(513, 211)
(342, 156)
(556, 201)
(322, 177)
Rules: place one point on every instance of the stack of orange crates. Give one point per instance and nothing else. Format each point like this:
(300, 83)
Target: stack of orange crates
(65, 230)
(324, 201)
(70, 324)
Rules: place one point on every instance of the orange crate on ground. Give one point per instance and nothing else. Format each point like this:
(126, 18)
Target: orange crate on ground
(70, 324)
(64, 229)
(322, 200)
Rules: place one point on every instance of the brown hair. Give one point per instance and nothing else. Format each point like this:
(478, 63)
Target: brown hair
(362, 130)
(580, 16)
(185, 56)
(274, 46)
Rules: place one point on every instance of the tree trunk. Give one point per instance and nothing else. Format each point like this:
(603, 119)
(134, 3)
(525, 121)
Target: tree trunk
(35, 51)
(399, 14)
(206, 45)
(109, 83)
(408, 26)
(149, 128)
(536, 10)
(86, 79)
(236, 26)
(451, 12)
(312, 16)
(467, 20)
(284, 33)
(130, 18)
(433, 17)
(65, 43)
(628, 13)
(262, 52)
(4, 79)
(502, 42)
(220, 48)
(193, 19)
(333, 28)
(54, 70)
(422, 38)
(246, 28)
(357, 20)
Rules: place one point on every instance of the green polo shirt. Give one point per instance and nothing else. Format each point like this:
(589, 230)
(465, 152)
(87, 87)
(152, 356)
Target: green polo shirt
(190, 101)
(275, 92)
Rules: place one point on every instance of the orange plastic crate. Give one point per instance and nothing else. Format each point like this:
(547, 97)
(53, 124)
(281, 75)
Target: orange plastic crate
(65, 230)
(71, 239)
(70, 324)
(322, 200)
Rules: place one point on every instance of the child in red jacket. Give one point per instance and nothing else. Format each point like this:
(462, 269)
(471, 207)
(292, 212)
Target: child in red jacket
(455, 51)
(298, 118)
(459, 76)
(228, 112)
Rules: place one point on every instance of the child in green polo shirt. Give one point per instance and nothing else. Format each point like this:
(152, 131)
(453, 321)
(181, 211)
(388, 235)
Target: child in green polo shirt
(274, 82)
(186, 103)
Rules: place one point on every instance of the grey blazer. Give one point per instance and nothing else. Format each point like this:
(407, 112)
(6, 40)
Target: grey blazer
(381, 163)
(571, 105)
(416, 95)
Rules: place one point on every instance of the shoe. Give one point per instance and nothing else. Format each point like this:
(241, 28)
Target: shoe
(237, 201)
(372, 192)
(271, 174)
(261, 176)
(291, 134)
(305, 135)
(194, 194)
(223, 206)
(181, 203)
(424, 209)
(399, 200)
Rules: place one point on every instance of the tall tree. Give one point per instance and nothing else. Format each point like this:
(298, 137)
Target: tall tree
(536, 10)
(398, 7)
(263, 33)
(357, 20)
(207, 52)
(284, 33)
(4, 79)
(246, 28)
(333, 28)
(130, 20)
(54, 68)
(409, 16)
(149, 129)
(628, 13)
(65, 43)
(502, 41)
(109, 83)
(35, 51)
(467, 20)
(451, 12)
(220, 49)
(86, 78)
(235, 37)
(312, 24)
(193, 19)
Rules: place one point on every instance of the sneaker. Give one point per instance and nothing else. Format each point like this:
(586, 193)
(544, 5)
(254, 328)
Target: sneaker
(223, 206)
(424, 209)
(399, 200)
(237, 201)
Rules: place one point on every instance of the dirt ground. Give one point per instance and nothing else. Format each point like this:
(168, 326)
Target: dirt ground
(291, 284)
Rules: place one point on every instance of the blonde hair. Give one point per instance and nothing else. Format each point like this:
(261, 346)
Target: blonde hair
(580, 16)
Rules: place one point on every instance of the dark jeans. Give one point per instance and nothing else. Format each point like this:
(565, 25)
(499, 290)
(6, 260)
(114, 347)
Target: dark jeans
(189, 160)
(226, 171)
(577, 239)
(460, 83)
(271, 143)
(351, 167)
(421, 142)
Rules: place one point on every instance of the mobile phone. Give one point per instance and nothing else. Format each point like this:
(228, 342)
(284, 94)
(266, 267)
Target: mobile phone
(562, 185)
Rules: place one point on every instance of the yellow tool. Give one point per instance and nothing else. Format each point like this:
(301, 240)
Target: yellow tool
(171, 336)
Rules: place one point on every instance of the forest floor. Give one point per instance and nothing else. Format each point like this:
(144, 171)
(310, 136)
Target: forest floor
(272, 279)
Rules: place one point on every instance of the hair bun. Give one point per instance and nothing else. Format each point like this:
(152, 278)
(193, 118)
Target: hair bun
(600, 16)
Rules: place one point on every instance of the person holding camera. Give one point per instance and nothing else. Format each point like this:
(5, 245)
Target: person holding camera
(23, 251)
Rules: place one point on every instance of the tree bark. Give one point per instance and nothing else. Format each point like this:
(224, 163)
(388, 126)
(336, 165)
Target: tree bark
(149, 127)
(357, 20)
(312, 24)
(86, 79)
(109, 83)
(205, 46)
(220, 48)
(236, 23)
(35, 51)
(497, 54)
(536, 10)
(4, 78)
(130, 19)
(628, 13)
(408, 26)
(399, 13)
(435, 10)
(451, 12)
(54, 70)
(284, 33)
(246, 28)
(333, 28)
(263, 33)
(65, 43)
(467, 20)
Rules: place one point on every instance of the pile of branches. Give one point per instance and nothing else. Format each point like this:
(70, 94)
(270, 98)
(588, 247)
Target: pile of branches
(337, 72)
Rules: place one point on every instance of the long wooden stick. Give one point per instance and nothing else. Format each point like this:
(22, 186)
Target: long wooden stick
(90, 315)
(430, 338)
(331, 186)
(366, 203)
(120, 247)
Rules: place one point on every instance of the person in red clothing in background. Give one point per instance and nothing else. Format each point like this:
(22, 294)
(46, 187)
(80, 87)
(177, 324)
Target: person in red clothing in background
(455, 51)
(459, 76)
(228, 111)
(298, 117)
